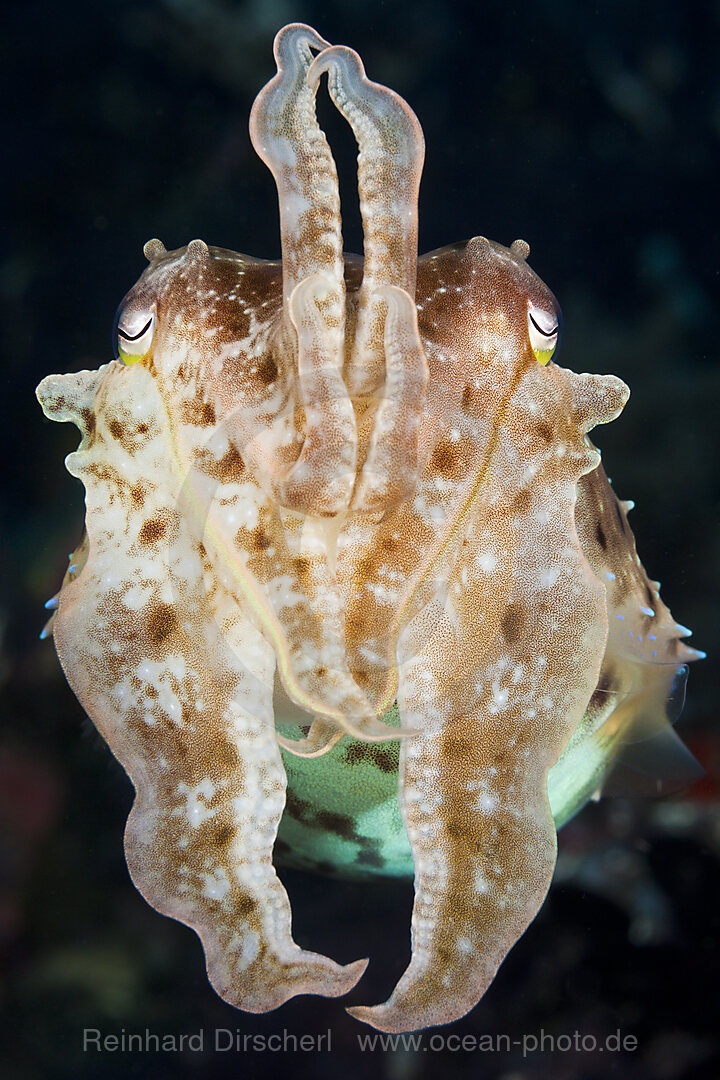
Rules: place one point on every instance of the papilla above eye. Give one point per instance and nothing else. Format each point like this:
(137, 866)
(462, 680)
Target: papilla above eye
(543, 331)
(133, 333)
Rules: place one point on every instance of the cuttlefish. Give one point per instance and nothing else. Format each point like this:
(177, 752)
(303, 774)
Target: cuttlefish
(345, 528)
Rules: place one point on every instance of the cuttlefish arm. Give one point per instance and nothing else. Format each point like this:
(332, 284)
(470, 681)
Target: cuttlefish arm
(380, 340)
(286, 135)
(386, 354)
(154, 655)
(496, 692)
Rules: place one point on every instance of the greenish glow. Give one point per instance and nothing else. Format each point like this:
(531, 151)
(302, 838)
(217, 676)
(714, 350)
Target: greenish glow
(345, 783)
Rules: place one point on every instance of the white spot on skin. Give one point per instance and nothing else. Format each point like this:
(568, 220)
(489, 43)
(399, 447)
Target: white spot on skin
(217, 884)
(249, 950)
(487, 803)
(500, 699)
(481, 883)
(487, 562)
(197, 812)
(549, 577)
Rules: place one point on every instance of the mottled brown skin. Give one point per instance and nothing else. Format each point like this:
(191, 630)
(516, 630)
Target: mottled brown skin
(370, 486)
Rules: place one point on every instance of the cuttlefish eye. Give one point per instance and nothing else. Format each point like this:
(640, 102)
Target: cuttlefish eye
(133, 334)
(544, 332)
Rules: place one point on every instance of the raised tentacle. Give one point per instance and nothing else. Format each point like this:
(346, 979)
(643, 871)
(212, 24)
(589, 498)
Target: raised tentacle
(322, 736)
(286, 135)
(391, 150)
(322, 479)
(392, 467)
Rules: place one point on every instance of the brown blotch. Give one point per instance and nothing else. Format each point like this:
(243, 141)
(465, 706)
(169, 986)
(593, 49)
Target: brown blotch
(468, 397)
(512, 623)
(181, 749)
(622, 523)
(462, 834)
(89, 421)
(222, 758)
(152, 531)
(137, 494)
(107, 474)
(445, 457)
(544, 432)
(222, 836)
(368, 857)
(116, 429)
(231, 466)
(303, 567)
(380, 756)
(161, 622)
(600, 536)
(522, 502)
(267, 370)
(198, 412)
(259, 539)
(245, 906)
(340, 824)
(455, 748)
(606, 686)
(365, 568)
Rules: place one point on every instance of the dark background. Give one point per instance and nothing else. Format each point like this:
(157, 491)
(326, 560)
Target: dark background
(590, 130)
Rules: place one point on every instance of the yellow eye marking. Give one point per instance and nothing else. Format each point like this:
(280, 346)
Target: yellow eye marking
(543, 330)
(128, 358)
(130, 347)
(544, 356)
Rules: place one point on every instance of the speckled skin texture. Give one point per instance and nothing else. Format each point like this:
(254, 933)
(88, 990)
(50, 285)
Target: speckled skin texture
(358, 486)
